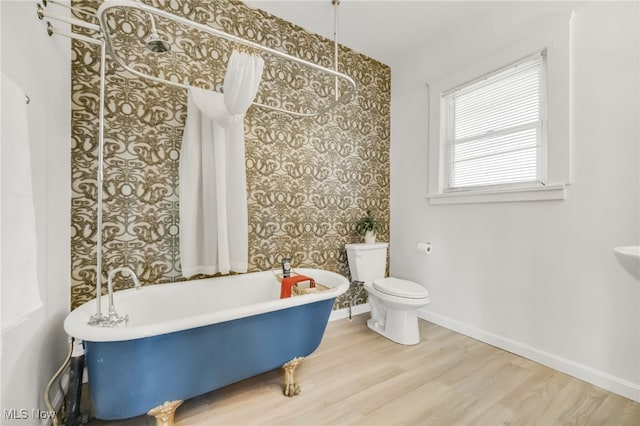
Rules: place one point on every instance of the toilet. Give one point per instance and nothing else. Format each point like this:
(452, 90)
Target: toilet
(394, 302)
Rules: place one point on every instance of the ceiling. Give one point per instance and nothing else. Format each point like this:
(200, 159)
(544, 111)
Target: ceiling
(389, 30)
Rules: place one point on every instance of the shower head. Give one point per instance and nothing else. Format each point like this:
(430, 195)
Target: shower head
(155, 43)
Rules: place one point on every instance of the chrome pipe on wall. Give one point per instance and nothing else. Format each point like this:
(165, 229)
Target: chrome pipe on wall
(97, 318)
(88, 13)
(51, 30)
(42, 13)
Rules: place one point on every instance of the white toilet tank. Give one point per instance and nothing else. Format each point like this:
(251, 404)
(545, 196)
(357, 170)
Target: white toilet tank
(367, 262)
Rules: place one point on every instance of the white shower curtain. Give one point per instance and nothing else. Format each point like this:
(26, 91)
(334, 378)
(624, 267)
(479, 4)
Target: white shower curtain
(213, 200)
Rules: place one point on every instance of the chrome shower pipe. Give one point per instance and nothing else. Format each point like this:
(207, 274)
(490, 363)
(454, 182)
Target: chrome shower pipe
(51, 30)
(100, 175)
(105, 6)
(335, 4)
(154, 30)
(73, 21)
(100, 178)
(87, 13)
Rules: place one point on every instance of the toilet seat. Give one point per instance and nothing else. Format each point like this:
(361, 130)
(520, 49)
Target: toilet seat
(400, 288)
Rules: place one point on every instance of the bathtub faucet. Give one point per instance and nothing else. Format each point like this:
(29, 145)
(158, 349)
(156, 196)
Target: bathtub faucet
(113, 319)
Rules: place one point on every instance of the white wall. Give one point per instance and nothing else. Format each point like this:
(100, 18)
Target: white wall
(40, 64)
(537, 278)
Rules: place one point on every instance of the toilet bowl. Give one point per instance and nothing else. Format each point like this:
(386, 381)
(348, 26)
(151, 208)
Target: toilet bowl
(394, 302)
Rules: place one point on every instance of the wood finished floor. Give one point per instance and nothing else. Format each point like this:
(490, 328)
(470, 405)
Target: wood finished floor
(357, 377)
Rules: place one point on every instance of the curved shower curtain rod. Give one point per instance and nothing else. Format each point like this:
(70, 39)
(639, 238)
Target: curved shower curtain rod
(106, 6)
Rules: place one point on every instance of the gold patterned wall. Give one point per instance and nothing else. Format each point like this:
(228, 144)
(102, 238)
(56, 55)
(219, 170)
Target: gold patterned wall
(308, 179)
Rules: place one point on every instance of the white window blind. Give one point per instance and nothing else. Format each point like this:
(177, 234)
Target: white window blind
(496, 126)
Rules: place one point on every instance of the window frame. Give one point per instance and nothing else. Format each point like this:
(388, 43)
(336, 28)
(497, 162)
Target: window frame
(541, 128)
(554, 164)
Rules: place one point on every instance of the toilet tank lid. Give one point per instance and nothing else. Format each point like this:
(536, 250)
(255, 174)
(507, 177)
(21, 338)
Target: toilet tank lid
(402, 288)
(365, 246)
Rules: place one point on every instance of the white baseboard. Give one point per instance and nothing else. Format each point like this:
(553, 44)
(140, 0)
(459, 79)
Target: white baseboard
(583, 372)
(344, 312)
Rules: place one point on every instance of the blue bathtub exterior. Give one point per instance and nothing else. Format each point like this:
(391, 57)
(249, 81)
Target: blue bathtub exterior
(128, 378)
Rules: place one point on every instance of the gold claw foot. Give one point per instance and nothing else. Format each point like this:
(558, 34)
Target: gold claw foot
(291, 388)
(164, 413)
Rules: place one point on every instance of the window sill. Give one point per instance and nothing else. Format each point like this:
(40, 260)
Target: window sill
(549, 192)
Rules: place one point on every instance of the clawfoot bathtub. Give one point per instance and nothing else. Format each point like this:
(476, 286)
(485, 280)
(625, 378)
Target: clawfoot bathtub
(185, 339)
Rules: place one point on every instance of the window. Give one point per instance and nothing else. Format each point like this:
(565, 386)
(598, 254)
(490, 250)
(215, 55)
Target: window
(495, 127)
(499, 128)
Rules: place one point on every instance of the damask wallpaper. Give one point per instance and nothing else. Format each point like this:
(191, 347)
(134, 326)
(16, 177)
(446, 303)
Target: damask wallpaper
(308, 179)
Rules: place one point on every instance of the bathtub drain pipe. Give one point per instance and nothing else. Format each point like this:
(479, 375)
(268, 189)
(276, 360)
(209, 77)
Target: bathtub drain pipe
(72, 415)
